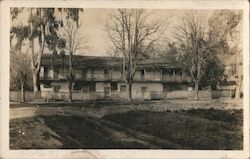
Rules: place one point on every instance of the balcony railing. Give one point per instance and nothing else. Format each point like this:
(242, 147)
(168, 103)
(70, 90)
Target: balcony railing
(109, 77)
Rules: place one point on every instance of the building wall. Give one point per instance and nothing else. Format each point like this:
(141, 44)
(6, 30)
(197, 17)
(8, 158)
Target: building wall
(98, 74)
(116, 75)
(153, 75)
(103, 88)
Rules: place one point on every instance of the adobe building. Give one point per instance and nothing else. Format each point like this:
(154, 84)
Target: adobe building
(101, 78)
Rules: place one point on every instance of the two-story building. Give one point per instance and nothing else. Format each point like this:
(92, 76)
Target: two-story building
(101, 77)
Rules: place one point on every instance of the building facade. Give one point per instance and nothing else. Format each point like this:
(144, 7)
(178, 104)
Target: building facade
(101, 78)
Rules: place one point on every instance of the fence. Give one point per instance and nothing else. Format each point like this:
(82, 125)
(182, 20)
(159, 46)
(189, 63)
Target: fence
(64, 96)
(29, 96)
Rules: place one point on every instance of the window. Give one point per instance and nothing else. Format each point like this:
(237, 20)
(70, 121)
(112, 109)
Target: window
(57, 88)
(47, 86)
(106, 74)
(123, 88)
(142, 75)
(165, 88)
(157, 75)
(56, 72)
(45, 72)
(85, 88)
(178, 72)
(84, 74)
(77, 87)
(113, 86)
(143, 90)
(92, 87)
(106, 91)
(233, 70)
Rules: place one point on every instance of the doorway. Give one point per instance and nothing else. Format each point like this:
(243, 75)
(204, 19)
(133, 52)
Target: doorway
(107, 91)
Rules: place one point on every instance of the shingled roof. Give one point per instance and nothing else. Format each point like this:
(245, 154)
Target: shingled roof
(100, 61)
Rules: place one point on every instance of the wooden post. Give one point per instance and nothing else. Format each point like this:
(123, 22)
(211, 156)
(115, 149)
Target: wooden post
(174, 75)
(161, 75)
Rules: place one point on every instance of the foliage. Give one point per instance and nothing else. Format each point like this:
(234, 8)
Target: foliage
(223, 28)
(20, 71)
(226, 29)
(213, 74)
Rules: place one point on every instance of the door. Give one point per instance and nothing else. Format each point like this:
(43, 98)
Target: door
(106, 91)
(143, 91)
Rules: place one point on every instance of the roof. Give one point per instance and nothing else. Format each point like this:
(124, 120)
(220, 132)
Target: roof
(80, 61)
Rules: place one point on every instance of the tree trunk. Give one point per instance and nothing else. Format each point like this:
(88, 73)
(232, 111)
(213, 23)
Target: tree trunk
(36, 83)
(238, 87)
(196, 89)
(129, 91)
(22, 92)
(70, 78)
(70, 91)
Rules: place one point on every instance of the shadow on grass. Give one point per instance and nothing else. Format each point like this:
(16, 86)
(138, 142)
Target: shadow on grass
(88, 132)
(192, 129)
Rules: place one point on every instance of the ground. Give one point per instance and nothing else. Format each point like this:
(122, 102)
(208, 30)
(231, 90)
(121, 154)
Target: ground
(156, 124)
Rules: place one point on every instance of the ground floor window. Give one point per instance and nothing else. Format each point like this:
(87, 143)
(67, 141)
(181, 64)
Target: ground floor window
(56, 88)
(85, 88)
(143, 90)
(106, 91)
(113, 86)
(123, 88)
(77, 87)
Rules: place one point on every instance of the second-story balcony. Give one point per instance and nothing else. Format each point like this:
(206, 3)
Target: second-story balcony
(115, 75)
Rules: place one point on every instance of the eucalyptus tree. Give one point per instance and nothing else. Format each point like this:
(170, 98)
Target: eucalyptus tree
(42, 25)
(226, 28)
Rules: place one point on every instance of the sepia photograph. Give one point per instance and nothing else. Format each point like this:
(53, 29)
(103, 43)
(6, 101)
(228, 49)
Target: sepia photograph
(126, 78)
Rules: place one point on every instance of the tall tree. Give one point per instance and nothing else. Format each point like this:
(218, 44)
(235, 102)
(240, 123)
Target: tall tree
(132, 34)
(196, 46)
(74, 42)
(226, 28)
(41, 25)
(20, 73)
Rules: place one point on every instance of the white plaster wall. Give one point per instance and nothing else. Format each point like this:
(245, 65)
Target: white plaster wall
(50, 73)
(153, 75)
(116, 75)
(98, 74)
(89, 74)
(78, 74)
(137, 75)
(42, 71)
(99, 86)
(62, 73)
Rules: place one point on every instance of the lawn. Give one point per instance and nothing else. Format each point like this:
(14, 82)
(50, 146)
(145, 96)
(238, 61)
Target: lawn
(183, 129)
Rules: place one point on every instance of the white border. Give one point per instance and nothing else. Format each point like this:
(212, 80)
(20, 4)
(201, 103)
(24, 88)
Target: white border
(4, 57)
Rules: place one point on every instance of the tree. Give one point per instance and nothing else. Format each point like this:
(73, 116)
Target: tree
(20, 73)
(213, 74)
(41, 25)
(226, 27)
(170, 52)
(74, 42)
(132, 34)
(196, 46)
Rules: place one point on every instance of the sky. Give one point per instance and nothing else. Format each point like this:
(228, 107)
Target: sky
(94, 21)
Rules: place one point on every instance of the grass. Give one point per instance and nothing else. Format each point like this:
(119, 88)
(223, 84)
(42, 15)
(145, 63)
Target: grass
(185, 129)
(191, 129)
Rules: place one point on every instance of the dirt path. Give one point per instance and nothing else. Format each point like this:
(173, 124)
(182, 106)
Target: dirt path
(19, 112)
(125, 134)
